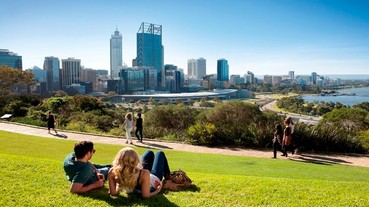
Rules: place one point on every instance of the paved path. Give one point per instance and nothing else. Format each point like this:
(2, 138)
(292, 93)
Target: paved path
(358, 160)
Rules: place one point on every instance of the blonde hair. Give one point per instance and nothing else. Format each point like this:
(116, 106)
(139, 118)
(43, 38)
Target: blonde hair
(126, 168)
(129, 116)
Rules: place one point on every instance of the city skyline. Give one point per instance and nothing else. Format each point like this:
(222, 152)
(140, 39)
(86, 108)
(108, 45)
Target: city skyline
(265, 37)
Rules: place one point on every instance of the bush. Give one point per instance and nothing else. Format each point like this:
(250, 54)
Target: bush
(30, 121)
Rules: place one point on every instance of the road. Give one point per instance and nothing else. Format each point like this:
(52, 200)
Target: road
(301, 118)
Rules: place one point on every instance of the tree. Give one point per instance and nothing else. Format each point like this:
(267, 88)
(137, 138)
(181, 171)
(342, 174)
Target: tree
(13, 81)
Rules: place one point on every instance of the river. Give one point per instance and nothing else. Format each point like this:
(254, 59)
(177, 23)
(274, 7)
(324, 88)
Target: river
(362, 95)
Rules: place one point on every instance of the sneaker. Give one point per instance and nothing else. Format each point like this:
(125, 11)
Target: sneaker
(126, 142)
(131, 143)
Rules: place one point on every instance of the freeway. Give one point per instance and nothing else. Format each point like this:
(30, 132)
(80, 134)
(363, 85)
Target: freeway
(303, 118)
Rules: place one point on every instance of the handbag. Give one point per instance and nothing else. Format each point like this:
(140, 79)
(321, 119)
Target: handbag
(177, 180)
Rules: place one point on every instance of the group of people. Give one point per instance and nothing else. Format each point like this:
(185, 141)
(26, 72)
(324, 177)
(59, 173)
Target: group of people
(283, 139)
(129, 125)
(128, 172)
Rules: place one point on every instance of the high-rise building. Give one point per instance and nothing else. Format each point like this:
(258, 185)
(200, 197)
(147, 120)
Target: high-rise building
(201, 68)
(291, 74)
(268, 79)
(276, 79)
(52, 68)
(71, 71)
(314, 78)
(39, 75)
(89, 75)
(196, 68)
(222, 70)
(191, 68)
(150, 51)
(10, 59)
(252, 77)
(116, 54)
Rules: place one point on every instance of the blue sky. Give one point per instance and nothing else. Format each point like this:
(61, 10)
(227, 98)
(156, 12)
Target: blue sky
(263, 36)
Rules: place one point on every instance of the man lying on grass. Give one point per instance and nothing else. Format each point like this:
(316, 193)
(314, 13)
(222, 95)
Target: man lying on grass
(82, 174)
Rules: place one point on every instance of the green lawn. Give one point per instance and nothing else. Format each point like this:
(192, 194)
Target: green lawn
(32, 175)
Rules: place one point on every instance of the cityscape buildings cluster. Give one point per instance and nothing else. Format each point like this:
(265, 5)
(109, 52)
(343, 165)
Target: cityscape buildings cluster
(148, 73)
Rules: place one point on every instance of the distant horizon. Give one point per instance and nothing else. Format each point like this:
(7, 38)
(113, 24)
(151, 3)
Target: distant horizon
(265, 36)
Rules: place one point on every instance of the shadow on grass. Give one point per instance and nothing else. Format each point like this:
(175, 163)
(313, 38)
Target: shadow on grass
(124, 199)
(321, 160)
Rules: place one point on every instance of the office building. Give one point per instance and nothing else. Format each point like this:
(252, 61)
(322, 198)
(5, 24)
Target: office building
(201, 68)
(89, 75)
(116, 54)
(10, 59)
(276, 80)
(196, 68)
(150, 51)
(268, 79)
(39, 75)
(71, 71)
(222, 70)
(52, 68)
(314, 78)
(291, 74)
(191, 69)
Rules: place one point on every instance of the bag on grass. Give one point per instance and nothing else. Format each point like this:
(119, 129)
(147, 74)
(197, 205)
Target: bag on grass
(178, 180)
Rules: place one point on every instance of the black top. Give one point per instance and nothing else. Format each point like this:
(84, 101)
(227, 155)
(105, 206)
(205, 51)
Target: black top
(139, 123)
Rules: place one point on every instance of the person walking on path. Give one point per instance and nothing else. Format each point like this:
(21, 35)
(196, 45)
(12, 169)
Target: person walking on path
(139, 128)
(51, 121)
(287, 138)
(128, 125)
(277, 140)
(83, 175)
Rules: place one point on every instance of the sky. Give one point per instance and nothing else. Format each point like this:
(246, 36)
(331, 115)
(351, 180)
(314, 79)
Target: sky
(263, 36)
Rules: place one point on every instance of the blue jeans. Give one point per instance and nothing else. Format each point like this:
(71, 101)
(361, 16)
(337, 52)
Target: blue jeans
(103, 169)
(156, 163)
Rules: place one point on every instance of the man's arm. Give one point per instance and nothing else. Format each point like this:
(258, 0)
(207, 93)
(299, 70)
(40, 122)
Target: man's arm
(79, 188)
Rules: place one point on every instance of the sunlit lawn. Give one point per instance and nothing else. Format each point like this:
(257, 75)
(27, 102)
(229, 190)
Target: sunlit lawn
(32, 175)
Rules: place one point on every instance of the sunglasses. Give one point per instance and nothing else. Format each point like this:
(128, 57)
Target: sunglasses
(93, 151)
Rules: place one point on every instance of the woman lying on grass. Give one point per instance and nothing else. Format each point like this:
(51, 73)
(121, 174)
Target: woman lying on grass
(144, 177)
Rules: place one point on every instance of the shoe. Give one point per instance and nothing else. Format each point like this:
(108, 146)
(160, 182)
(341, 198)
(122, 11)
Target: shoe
(131, 143)
(126, 142)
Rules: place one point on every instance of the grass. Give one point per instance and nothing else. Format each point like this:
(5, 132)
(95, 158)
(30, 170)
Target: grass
(32, 175)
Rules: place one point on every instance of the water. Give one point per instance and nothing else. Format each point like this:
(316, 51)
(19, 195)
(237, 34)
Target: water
(362, 95)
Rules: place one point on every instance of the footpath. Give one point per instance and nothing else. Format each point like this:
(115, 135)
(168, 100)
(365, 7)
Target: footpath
(318, 158)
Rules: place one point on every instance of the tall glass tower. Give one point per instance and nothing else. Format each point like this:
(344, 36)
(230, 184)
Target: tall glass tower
(115, 54)
(10, 59)
(150, 51)
(222, 70)
(52, 67)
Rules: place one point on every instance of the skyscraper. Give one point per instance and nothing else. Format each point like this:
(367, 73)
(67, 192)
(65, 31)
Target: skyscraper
(291, 74)
(150, 51)
(201, 68)
(314, 78)
(115, 54)
(10, 59)
(52, 68)
(71, 71)
(222, 70)
(196, 68)
(191, 68)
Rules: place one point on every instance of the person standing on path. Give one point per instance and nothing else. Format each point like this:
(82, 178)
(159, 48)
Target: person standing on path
(139, 128)
(128, 125)
(51, 122)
